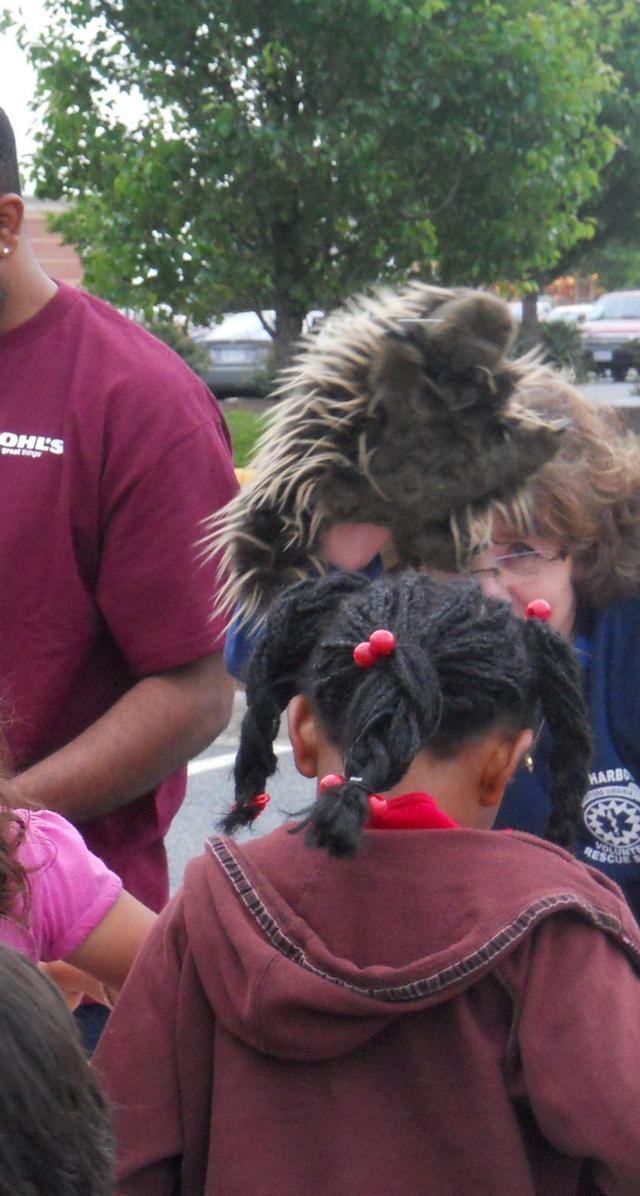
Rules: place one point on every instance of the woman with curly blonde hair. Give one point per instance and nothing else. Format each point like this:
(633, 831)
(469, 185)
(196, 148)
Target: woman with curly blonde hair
(572, 537)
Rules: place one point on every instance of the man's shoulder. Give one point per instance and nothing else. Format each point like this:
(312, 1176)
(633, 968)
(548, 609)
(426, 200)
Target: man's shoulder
(129, 348)
(135, 376)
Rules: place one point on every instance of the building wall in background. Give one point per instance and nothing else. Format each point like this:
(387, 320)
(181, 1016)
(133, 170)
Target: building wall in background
(60, 261)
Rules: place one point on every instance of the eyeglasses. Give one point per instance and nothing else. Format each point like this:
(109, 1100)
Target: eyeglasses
(520, 564)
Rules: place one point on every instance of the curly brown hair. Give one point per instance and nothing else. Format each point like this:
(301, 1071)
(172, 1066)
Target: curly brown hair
(588, 496)
(14, 882)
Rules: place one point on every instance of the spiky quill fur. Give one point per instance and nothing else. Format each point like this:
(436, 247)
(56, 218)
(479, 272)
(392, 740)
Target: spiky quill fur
(402, 410)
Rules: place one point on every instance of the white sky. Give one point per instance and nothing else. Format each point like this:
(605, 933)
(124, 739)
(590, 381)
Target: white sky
(17, 80)
(16, 76)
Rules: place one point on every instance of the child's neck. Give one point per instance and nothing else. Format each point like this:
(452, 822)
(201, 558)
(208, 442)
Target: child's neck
(468, 786)
(451, 784)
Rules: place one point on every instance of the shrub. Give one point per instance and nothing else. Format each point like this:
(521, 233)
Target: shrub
(562, 346)
(195, 355)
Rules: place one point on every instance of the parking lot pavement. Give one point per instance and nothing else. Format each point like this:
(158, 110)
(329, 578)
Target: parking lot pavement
(614, 393)
(619, 395)
(210, 793)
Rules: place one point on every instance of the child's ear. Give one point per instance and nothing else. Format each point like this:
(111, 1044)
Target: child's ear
(501, 765)
(303, 736)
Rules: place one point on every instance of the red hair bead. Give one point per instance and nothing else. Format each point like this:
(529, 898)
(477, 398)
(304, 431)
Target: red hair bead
(330, 781)
(258, 804)
(383, 642)
(380, 643)
(261, 801)
(538, 609)
(364, 655)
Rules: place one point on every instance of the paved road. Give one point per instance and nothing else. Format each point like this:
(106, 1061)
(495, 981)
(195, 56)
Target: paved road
(210, 792)
(617, 394)
(210, 786)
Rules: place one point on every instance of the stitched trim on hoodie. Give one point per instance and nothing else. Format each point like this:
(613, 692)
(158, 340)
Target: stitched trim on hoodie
(466, 967)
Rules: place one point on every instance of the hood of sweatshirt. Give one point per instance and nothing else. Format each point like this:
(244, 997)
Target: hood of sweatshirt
(306, 957)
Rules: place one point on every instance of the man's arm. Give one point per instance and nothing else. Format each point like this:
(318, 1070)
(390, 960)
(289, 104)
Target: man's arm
(162, 722)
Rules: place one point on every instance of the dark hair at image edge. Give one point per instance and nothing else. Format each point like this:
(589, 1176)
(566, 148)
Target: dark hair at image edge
(56, 1132)
(464, 665)
(9, 172)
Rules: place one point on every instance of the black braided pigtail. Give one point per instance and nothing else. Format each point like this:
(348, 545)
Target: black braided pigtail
(395, 709)
(463, 664)
(561, 692)
(338, 818)
(255, 759)
(274, 676)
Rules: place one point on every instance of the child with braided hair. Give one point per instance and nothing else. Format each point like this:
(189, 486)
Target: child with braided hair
(392, 1001)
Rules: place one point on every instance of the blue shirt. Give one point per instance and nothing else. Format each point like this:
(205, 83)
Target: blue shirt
(608, 836)
(242, 637)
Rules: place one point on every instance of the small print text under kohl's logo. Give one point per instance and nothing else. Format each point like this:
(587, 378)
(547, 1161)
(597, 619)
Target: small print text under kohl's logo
(21, 444)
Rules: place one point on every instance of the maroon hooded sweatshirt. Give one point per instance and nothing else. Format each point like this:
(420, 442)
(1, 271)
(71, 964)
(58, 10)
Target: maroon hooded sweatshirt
(451, 1013)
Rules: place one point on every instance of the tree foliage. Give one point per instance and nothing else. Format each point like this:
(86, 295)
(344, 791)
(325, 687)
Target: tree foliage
(614, 209)
(193, 352)
(288, 152)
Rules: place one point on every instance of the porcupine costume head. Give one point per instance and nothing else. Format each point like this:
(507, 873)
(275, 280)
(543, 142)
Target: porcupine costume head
(399, 410)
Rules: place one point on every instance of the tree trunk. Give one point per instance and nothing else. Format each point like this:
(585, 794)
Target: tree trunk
(288, 329)
(530, 324)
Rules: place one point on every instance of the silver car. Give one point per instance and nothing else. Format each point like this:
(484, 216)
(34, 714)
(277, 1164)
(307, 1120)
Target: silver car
(570, 313)
(240, 354)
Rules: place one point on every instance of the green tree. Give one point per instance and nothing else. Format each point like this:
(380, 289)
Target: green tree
(612, 210)
(291, 151)
(614, 251)
(193, 352)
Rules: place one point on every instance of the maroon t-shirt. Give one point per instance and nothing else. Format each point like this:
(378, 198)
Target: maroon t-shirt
(111, 454)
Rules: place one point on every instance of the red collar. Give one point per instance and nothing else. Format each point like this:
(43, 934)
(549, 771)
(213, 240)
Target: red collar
(412, 811)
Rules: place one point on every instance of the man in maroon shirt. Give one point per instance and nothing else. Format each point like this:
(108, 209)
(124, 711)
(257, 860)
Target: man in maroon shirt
(111, 454)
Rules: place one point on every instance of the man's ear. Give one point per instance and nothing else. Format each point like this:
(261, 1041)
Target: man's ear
(500, 766)
(303, 736)
(11, 222)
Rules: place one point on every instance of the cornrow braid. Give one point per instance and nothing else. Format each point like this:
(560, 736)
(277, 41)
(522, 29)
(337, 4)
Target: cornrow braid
(463, 665)
(393, 710)
(273, 679)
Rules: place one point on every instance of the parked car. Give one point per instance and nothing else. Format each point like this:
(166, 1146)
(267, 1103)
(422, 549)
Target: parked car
(241, 359)
(611, 327)
(570, 313)
(240, 354)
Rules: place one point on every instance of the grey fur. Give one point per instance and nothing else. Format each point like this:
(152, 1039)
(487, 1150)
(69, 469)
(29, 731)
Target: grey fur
(401, 409)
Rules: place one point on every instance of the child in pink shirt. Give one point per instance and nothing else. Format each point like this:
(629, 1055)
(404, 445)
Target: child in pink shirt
(58, 901)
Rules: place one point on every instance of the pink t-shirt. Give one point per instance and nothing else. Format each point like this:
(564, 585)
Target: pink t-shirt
(112, 453)
(70, 890)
